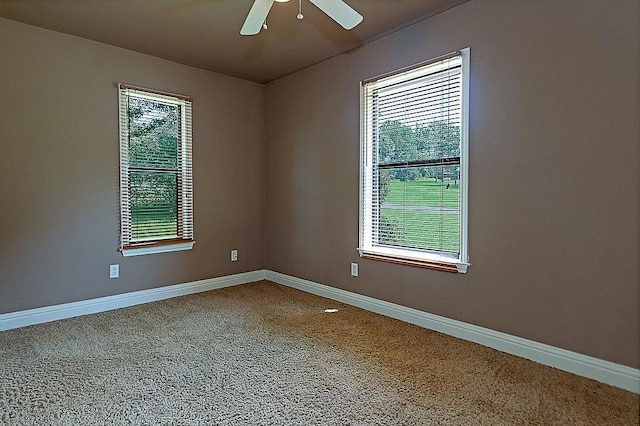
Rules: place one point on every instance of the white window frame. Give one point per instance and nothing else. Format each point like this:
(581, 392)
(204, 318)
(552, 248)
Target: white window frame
(413, 257)
(185, 239)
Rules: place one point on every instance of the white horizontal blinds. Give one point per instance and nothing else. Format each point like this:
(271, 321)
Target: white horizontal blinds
(155, 160)
(411, 193)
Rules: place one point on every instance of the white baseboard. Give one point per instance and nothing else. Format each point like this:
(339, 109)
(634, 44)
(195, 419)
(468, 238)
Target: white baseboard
(603, 371)
(92, 306)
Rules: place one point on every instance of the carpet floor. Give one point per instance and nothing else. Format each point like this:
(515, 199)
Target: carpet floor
(264, 354)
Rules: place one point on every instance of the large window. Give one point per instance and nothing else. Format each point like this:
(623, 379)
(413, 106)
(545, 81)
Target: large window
(156, 192)
(414, 162)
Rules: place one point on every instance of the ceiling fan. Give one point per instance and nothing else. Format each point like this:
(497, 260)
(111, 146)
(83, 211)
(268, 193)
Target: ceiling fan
(337, 10)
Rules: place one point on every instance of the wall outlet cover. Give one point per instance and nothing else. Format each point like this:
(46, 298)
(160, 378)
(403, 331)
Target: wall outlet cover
(114, 271)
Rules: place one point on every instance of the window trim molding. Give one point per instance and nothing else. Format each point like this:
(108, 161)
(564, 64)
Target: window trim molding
(168, 95)
(157, 247)
(424, 259)
(418, 263)
(464, 162)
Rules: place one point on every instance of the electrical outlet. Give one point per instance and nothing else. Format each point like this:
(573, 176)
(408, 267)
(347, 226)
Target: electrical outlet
(114, 271)
(354, 269)
(234, 255)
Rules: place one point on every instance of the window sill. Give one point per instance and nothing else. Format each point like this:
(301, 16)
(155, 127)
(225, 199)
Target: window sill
(436, 265)
(162, 247)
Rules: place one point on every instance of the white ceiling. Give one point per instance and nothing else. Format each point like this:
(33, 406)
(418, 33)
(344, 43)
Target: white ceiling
(206, 33)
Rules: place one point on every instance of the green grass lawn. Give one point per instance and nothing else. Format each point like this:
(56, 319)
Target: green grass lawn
(421, 229)
(144, 228)
(424, 192)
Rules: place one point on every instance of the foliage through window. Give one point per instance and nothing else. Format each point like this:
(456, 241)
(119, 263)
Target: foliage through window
(156, 195)
(413, 206)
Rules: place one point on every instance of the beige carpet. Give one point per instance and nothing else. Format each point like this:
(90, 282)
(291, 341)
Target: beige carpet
(263, 354)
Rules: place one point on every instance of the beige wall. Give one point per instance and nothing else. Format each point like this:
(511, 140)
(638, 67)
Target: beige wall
(554, 169)
(59, 170)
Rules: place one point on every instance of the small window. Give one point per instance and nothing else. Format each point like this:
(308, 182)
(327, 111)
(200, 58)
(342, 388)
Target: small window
(156, 190)
(414, 162)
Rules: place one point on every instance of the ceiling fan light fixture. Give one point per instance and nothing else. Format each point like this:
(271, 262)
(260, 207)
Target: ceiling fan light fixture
(337, 10)
(300, 15)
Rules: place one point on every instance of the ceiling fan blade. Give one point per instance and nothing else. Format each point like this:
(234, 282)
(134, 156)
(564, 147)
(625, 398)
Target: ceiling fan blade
(340, 12)
(256, 17)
